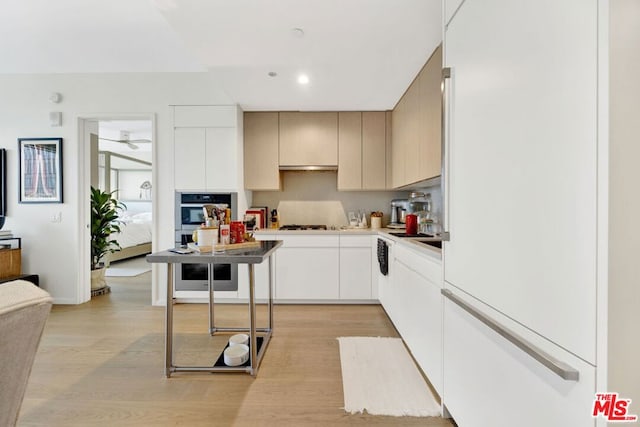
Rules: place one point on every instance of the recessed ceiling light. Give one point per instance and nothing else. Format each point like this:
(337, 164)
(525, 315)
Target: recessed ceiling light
(297, 32)
(272, 73)
(303, 79)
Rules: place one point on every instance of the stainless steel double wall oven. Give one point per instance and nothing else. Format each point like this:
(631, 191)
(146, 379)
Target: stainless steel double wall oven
(189, 216)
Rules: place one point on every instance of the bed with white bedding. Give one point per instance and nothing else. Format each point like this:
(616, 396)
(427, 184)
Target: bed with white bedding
(135, 236)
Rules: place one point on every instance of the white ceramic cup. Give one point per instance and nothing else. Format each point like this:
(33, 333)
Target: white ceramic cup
(207, 237)
(239, 339)
(236, 355)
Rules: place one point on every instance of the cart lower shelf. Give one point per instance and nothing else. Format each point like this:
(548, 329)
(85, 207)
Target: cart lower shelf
(220, 362)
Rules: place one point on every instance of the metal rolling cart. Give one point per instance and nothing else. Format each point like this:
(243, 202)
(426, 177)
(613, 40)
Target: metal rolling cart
(237, 256)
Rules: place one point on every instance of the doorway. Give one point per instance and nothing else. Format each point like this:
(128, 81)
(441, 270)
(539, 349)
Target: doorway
(117, 154)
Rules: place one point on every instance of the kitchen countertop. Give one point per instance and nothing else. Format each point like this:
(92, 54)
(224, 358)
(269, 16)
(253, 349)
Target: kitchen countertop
(410, 242)
(413, 242)
(364, 231)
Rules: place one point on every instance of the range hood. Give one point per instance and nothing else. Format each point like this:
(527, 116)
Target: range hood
(309, 168)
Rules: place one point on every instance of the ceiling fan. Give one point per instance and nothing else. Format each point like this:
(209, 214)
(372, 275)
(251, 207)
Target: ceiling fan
(125, 139)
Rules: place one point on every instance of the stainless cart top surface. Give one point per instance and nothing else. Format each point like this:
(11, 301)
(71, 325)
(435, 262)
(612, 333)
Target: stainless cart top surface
(232, 256)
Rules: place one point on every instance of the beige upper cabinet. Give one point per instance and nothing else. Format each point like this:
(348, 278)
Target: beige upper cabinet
(308, 138)
(350, 150)
(357, 142)
(374, 150)
(362, 150)
(261, 151)
(399, 129)
(415, 121)
(388, 162)
(430, 112)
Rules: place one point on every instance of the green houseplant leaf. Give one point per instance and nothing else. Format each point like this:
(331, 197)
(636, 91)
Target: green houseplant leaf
(105, 210)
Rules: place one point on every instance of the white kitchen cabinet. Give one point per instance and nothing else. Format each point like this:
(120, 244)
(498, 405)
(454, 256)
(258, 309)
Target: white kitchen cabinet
(375, 269)
(261, 272)
(205, 147)
(221, 167)
(308, 268)
(417, 281)
(355, 267)
(205, 158)
(490, 382)
(189, 158)
(203, 116)
(410, 295)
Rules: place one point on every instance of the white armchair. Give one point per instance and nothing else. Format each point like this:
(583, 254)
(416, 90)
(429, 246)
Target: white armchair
(24, 309)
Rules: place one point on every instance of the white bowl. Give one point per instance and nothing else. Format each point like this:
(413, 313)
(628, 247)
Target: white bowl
(236, 355)
(239, 339)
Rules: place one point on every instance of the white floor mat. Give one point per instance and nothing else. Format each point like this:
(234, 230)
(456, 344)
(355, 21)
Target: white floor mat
(380, 377)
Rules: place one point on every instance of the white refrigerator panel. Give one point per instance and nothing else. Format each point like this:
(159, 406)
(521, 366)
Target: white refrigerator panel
(488, 381)
(521, 184)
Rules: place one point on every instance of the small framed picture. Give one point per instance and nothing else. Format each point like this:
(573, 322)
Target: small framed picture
(40, 169)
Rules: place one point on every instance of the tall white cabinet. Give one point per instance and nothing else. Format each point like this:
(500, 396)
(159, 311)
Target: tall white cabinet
(522, 184)
(206, 141)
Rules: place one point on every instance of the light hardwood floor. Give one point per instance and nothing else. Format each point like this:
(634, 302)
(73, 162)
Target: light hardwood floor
(101, 364)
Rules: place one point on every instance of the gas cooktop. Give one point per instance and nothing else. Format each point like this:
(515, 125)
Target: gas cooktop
(303, 227)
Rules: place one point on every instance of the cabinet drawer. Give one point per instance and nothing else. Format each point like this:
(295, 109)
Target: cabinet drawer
(424, 265)
(308, 241)
(491, 382)
(347, 241)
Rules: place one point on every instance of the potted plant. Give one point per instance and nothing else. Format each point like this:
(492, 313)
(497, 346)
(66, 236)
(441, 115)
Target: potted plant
(104, 221)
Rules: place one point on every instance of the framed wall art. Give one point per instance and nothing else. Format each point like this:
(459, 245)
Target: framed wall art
(40, 168)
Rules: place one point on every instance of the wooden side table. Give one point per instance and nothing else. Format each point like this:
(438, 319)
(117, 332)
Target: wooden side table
(11, 261)
(10, 257)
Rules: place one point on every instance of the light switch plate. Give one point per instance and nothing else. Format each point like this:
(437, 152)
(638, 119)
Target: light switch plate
(55, 118)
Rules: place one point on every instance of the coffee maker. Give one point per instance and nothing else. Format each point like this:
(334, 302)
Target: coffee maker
(398, 212)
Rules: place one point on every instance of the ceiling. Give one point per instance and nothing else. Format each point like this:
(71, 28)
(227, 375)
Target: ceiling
(358, 54)
(137, 129)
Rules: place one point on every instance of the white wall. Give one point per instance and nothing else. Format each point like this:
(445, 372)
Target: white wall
(50, 249)
(129, 182)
